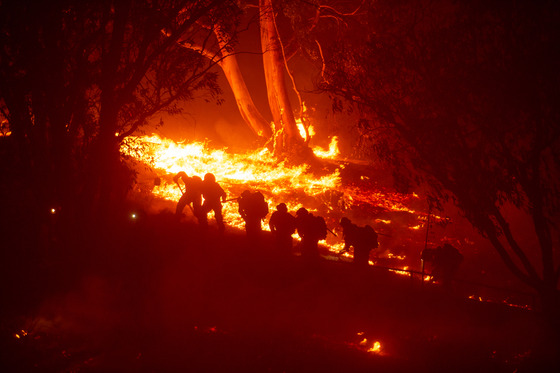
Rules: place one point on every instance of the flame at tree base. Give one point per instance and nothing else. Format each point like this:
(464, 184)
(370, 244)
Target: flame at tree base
(322, 193)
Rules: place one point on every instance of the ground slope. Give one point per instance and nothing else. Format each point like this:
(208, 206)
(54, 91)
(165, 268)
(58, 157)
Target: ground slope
(158, 294)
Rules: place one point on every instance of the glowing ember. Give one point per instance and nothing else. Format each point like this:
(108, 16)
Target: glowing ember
(507, 303)
(403, 271)
(376, 348)
(5, 129)
(383, 221)
(21, 334)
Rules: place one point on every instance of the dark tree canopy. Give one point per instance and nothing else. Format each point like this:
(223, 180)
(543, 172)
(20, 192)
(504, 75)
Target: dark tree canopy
(464, 97)
(76, 77)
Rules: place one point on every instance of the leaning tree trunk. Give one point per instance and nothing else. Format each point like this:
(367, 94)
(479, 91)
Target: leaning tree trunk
(249, 112)
(278, 99)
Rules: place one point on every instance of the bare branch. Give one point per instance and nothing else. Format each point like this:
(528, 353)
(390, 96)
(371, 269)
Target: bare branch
(514, 245)
(323, 66)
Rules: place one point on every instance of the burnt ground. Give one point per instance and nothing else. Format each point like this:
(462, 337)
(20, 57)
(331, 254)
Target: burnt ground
(160, 295)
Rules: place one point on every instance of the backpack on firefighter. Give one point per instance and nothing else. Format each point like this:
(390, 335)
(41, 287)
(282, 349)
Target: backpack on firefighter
(369, 237)
(260, 205)
(252, 205)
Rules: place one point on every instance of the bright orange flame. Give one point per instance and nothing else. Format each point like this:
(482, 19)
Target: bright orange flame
(375, 347)
(331, 153)
(301, 129)
(258, 169)
(235, 172)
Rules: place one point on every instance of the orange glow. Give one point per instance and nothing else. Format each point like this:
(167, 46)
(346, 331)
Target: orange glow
(480, 299)
(22, 333)
(332, 152)
(375, 348)
(301, 129)
(402, 272)
(260, 170)
(383, 221)
(5, 129)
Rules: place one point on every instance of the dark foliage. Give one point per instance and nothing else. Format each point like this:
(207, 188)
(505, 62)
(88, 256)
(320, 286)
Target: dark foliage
(76, 77)
(463, 97)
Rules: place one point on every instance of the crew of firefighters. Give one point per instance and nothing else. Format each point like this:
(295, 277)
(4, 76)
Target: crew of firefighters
(206, 195)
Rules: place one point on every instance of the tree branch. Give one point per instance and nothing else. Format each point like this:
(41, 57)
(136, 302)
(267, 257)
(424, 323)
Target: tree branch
(514, 245)
(492, 236)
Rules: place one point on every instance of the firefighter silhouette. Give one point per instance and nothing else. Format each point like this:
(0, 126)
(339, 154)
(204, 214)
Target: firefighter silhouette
(253, 209)
(192, 193)
(213, 195)
(444, 261)
(361, 239)
(311, 229)
(282, 225)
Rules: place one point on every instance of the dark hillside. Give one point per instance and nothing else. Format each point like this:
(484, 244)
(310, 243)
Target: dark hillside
(162, 295)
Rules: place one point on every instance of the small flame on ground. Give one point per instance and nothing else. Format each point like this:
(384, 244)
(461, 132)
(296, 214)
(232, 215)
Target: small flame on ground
(22, 333)
(480, 299)
(403, 271)
(375, 348)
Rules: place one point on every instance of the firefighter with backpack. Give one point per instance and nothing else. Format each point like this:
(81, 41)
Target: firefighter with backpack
(253, 209)
(311, 229)
(282, 224)
(361, 239)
